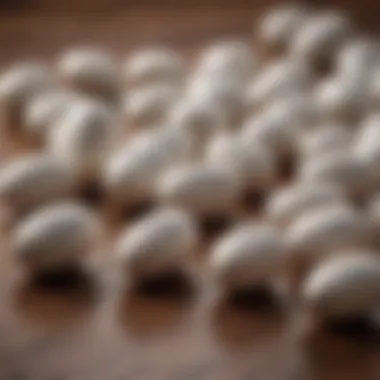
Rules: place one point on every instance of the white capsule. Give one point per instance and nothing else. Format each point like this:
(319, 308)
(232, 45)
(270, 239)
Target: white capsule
(330, 228)
(90, 70)
(278, 27)
(55, 236)
(279, 79)
(342, 168)
(348, 285)
(83, 137)
(228, 58)
(150, 105)
(131, 173)
(325, 140)
(321, 36)
(44, 110)
(286, 205)
(253, 163)
(19, 84)
(249, 255)
(153, 65)
(343, 98)
(158, 244)
(204, 190)
(32, 180)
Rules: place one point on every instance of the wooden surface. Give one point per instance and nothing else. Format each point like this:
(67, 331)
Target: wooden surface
(96, 331)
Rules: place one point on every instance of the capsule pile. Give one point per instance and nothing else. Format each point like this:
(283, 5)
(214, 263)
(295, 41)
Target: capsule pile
(274, 145)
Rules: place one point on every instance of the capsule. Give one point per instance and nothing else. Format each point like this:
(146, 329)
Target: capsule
(34, 179)
(290, 203)
(278, 27)
(44, 110)
(83, 138)
(321, 36)
(279, 79)
(54, 238)
(344, 287)
(91, 71)
(201, 189)
(247, 257)
(157, 245)
(150, 105)
(18, 85)
(153, 65)
(130, 174)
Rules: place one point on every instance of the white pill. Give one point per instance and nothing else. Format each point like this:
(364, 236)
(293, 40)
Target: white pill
(342, 168)
(321, 36)
(228, 58)
(333, 227)
(278, 27)
(149, 105)
(326, 139)
(343, 98)
(153, 65)
(91, 70)
(254, 163)
(204, 190)
(279, 79)
(292, 202)
(249, 255)
(55, 236)
(131, 172)
(44, 110)
(84, 136)
(344, 286)
(18, 84)
(34, 179)
(157, 244)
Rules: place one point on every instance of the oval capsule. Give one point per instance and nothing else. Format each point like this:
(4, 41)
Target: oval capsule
(203, 190)
(83, 137)
(54, 237)
(247, 256)
(34, 179)
(90, 70)
(345, 286)
(158, 244)
(153, 65)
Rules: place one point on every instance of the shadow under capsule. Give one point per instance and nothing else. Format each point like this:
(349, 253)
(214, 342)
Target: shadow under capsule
(56, 298)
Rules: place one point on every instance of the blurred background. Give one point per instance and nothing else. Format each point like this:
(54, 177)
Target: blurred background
(43, 27)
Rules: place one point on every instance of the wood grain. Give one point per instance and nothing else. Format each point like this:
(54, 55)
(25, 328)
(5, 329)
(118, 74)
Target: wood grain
(97, 331)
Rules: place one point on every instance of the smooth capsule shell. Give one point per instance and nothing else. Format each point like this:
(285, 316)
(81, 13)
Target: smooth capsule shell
(278, 26)
(44, 110)
(154, 65)
(228, 58)
(130, 174)
(247, 256)
(18, 85)
(287, 204)
(83, 137)
(34, 179)
(332, 227)
(342, 168)
(344, 286)
(158, 244)
(203, 190)
(279, 79)
(54, 237)
(254, 163)
(90, 70)
(147, 106)
(321, 36)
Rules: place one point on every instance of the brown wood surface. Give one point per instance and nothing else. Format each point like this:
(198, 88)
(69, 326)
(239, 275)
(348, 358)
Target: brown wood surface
(98, 332)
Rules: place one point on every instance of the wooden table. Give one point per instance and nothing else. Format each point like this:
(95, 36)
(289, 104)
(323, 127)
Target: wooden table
(97, 332)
